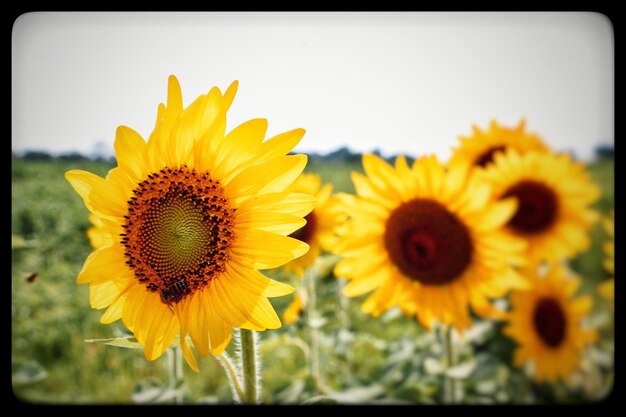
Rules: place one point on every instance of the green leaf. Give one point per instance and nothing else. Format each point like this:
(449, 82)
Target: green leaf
(486, 387)
(320, 399)
(316, 323)
(358, 394)
(291, 394)
(18, 242)
(462, 371)
(149, 392)
(125, 342)
(433, 366)
(28, 373)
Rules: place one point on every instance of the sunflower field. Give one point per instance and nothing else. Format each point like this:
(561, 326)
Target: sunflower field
(222, 268)
(390, 359)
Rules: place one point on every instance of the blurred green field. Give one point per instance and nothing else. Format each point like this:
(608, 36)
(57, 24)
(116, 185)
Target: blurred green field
(386, 359)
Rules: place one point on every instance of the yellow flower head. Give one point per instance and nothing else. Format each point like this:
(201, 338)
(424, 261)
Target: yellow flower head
(427, 240)
(480, 148)
(554, 196)
(545, 321)
(318, 232)
(185, 222)
(607, 288)
(293, 310)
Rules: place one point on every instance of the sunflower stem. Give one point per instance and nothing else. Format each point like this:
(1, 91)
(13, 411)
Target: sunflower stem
(310, 278)
(231, 373)
(180, 378)
(175, 371)
(449, 363)
(249, 367)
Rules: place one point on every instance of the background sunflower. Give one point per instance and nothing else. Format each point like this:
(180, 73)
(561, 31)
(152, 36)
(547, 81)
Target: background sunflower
(554, 195)
(546, 322)
(319, 230)
(480, 148)
(427, 240)
(607, 288)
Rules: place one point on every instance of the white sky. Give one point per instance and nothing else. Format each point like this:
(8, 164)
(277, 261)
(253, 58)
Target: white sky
(400, 82)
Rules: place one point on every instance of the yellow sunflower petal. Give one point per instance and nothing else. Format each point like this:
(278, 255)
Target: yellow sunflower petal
(255, 282)
(96, 194)
(188, 354)
(281, 144)
(296, 204)
(268, 250)
(129, 144)
(115, 310)
(270, 176)
(102, 264)
(196, 321)
(103, 294)
(220, 332)
(229, 95)
(233, 309)
(279, 223)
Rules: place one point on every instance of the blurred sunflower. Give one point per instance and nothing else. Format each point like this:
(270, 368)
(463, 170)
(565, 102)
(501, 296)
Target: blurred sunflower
(480, 148)
(554, 195)
(294, 310)
(186, 220)
(318, 232)
(427, 240)
(545, 321)
(97, 233)
(607, 288)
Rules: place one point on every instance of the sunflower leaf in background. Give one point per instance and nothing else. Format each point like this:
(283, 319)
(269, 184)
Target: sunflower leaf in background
(124, 342)
(25, 373)
(150, 392)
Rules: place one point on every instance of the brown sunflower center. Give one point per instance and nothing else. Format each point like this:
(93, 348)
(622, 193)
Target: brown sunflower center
(179, 228)
(487, 156)
(306, 232)
(537, 206)
(427, 242)
(549, 321)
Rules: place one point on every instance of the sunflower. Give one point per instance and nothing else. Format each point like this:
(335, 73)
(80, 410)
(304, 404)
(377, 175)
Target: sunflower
(607, 288)
(294, 310)
(427, 240)
(554, 194)
(480, 148)
(545, 321)
(185, 222)
(318, 232)
(97, 234)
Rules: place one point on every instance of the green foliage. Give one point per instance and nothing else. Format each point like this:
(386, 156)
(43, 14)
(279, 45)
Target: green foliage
(57, 356)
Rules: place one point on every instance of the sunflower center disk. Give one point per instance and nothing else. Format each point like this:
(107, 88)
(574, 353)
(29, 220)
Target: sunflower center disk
(549, 321)
(179, 228)
(487, 157)
(306, 232)
(427, 242)
(537, 207)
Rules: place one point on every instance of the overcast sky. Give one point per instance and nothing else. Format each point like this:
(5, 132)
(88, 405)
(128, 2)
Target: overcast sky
(398, 82)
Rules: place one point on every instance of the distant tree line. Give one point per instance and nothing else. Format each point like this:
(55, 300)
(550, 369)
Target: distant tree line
(43, 156)
(343, 154)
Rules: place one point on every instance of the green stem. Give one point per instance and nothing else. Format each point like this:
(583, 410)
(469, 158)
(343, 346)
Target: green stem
(233, 378)
(344, 317)
(313, 328)
(175, 371)
(180, 378)
(249, 367)
(449, 363)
